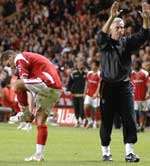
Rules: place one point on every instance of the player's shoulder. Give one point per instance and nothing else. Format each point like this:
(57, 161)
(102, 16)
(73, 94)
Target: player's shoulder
(144, 72)
(99, 73)
(21, 56)
(133, 72)
(90, 72)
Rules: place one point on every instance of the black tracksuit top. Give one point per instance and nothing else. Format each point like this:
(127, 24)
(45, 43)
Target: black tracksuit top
(76, 82)
(116, 54)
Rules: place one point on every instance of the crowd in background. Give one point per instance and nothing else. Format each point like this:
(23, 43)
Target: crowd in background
(65, 30)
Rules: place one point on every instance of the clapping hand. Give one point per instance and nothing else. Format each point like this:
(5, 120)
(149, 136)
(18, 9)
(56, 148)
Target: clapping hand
(114, 9)
(145, 10)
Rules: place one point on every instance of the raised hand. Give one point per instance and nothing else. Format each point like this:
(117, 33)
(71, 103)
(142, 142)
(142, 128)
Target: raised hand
(145, 10)
(114, 9)
(146, 15)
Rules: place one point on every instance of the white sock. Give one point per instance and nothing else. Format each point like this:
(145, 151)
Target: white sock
(39, 149)
(90, 121)
(128, 148)
(105, 150)
(80, 120)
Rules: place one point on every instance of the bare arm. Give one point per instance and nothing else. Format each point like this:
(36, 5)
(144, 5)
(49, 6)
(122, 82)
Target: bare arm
(103, 35)
(113, 13)
(136, 40)
(146, 15)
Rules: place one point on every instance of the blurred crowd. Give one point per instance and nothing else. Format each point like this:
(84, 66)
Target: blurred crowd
(65, 30)
(8, 7)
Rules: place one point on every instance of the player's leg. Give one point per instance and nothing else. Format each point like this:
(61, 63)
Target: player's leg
(88, 112)
(42, 133)
(44, 99)
(137, 115)
(96, 112)
(25, 90)
(143, 115)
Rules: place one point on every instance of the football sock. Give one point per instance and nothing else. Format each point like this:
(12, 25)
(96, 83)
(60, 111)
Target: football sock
(42, 134)
(105, 150)
(128, 148)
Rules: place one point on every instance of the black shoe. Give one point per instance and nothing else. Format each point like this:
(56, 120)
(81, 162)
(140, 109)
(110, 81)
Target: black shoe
(107, 158)
(132, 158)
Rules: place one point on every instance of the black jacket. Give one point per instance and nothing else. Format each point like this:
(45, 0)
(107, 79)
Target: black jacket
(116, 54)
(76, 82)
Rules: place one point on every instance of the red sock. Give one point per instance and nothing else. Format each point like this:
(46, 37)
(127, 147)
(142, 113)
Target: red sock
(97, 115)
(87, 113)
(42, 133)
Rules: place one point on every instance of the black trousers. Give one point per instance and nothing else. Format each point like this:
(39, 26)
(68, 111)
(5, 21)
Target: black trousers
(78, 106)
(117, 120)
(117, 97)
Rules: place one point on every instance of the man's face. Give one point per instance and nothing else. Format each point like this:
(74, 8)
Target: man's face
(80, 65)
(94, 67)
(117, 30)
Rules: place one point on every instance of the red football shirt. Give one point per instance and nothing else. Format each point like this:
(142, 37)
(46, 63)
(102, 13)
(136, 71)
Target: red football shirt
(32, 65)
(139, 80)
(92, 80)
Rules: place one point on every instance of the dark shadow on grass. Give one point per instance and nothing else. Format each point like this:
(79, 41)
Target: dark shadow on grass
(71, 163)
(51, 163)
(22, 163)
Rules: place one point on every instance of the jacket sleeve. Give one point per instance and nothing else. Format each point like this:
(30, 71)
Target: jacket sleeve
(136, 40)
(102, 40)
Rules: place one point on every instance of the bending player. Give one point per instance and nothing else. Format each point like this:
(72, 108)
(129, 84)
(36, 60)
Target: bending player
(37, 75)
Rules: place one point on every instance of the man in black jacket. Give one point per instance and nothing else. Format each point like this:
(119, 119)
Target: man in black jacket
(76, 86)
(116, 89)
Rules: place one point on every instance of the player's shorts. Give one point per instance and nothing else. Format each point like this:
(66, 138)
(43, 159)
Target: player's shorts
(43, 96)
(88, 100)
(141, 105)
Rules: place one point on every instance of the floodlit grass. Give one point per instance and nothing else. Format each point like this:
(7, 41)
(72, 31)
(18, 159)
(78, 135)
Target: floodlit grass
(67, 147)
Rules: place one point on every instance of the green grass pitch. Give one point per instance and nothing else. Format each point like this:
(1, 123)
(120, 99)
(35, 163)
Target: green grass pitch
(67, 147)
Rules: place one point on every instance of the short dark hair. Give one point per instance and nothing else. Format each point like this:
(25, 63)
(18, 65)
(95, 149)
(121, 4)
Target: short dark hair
(96, 62)
(6, 54)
